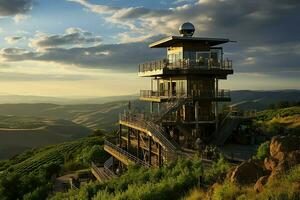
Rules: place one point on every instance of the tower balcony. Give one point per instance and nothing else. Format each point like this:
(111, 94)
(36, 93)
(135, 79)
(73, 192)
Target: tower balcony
(166, 95)
(185, 66)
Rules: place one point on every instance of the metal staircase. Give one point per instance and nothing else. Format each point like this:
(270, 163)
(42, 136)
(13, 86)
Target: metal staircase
(122, 155)
(100, 173)
(227, 126)
(172, 106)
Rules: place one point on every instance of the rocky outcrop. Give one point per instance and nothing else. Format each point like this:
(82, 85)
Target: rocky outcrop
(270, 164)
(259, 185)
(284, 154)
(280, 147)
(247, 172)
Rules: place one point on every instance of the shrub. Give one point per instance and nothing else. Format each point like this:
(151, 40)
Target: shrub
(227, 191)
(217, 171)
(263, 150)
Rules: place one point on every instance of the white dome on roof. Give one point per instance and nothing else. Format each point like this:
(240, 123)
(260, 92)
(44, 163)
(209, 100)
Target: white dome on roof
(187, 29)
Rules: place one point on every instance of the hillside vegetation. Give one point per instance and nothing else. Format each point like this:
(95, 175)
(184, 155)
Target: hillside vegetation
(28, 175)
(19, 133)
(280, 121)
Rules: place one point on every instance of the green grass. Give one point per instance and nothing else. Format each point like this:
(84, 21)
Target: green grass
(28, 175)
(33, 160)
(267, 115)
(172, 181)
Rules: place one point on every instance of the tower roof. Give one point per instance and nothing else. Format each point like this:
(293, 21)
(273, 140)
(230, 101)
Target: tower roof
(173, 40)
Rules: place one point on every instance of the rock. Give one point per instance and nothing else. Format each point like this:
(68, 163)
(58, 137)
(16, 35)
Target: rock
(229, 173)
(294, 157)
(281, 146)
(259, 185)
(280, 170)
(270, 164)
(247, 172)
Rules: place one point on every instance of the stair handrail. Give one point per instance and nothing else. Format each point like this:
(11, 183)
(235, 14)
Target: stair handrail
(107, 165)
(127, 154)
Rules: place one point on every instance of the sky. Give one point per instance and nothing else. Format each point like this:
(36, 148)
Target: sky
(93, 47)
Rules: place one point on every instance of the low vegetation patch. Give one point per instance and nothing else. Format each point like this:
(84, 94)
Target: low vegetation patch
(29, 175)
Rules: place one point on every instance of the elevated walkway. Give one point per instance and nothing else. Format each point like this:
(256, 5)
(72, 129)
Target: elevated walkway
(122, 155)
(138, 122)
(100, 173)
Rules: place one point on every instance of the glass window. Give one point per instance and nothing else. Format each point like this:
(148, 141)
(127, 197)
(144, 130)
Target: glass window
(202, 58)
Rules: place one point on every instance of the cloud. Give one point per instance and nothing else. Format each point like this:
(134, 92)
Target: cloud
(71, 37)
(20, 17)
(14, 7)
(265, 30)
(13, 39)
(121, 57)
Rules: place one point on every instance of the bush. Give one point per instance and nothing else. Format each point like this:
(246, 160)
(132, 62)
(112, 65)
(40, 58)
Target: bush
(263, 150)
(217, 171)
(227, 191)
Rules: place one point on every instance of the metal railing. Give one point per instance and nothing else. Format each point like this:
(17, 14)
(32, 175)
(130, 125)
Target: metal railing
(107, 165)
(100, 174)
(122, 152)
(147, 123)
(185, 64)
(184, 94)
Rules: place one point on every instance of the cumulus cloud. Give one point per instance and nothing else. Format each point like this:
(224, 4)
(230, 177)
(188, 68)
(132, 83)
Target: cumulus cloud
(121, 57)
(266, 32)
(14, 7)
(71, 37)
(13, 39)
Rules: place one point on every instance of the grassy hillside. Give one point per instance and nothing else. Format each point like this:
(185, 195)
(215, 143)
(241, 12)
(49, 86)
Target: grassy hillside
(102, 116)
(260, 100)
(22, 133)
(29, 175)
(280, 121)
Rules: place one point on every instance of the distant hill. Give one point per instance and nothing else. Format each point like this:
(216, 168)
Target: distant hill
(260, 100)
(21, 133)
(14, 99)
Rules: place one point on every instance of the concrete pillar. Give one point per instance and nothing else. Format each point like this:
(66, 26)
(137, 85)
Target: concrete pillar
(150, 149)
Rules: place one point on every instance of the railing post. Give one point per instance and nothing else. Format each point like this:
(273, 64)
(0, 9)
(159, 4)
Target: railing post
(138, 145)
(150, 149)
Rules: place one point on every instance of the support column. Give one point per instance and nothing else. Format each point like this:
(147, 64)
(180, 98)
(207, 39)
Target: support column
(128, 139)
(158, 107)
(216, 104)
(150, 149)
(138, 145)
(159, 156)
(170, 89)
(120, 135)
(151, 107)
(197, 117)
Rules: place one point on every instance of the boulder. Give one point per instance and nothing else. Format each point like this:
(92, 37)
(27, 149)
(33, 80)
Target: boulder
(229, 173)
(247, 172)
(259, 185)
(281, 146)
(294, 157)
(270, 164)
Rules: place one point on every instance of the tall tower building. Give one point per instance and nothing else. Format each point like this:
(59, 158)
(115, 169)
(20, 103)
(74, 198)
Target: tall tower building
(184, 100)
